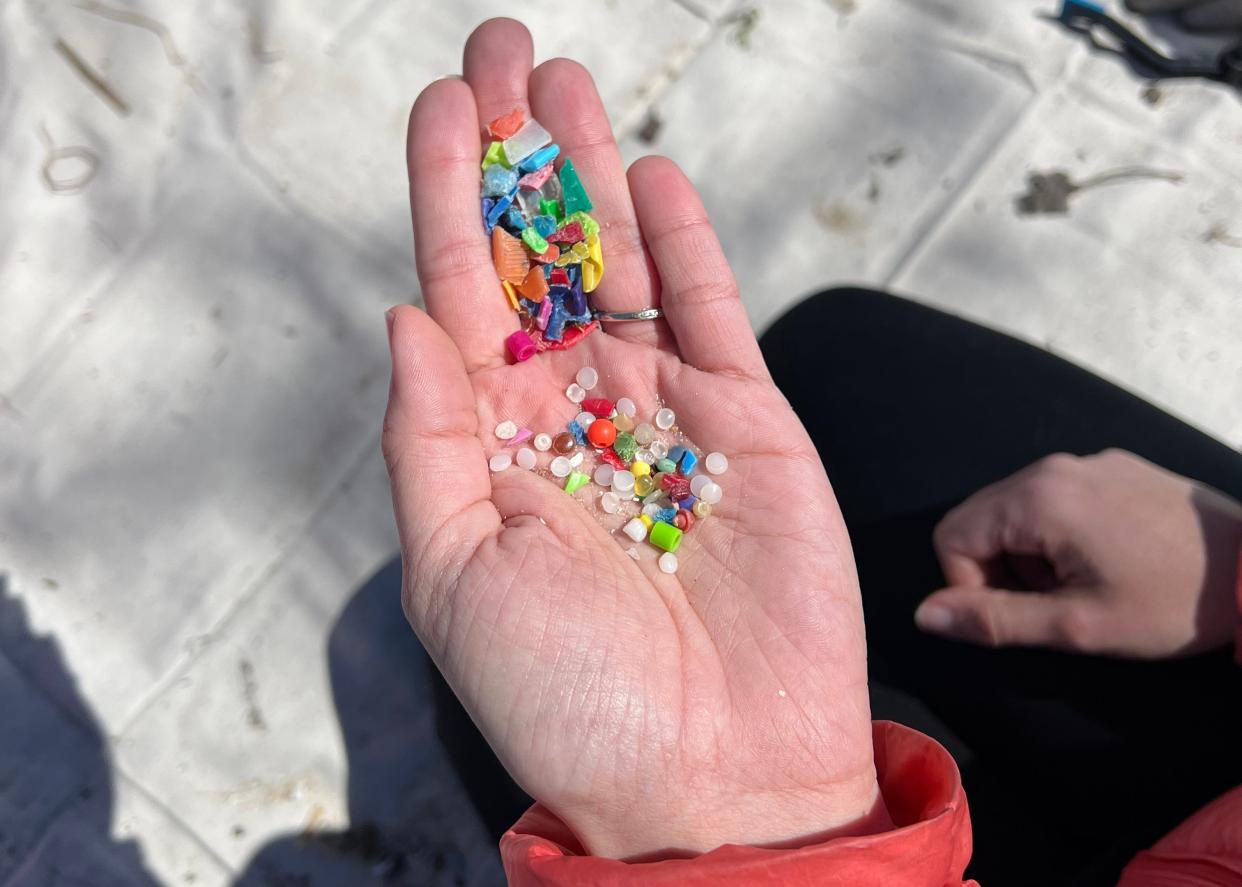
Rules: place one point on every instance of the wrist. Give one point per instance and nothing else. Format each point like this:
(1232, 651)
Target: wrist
(687, 827)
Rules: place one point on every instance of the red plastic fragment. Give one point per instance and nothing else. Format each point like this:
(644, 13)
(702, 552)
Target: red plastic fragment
(506, 125)
(571, 233)
(573, 335)
(559, 276)
(683, 520)
(613, 459)
(598, 406)
(676, 485)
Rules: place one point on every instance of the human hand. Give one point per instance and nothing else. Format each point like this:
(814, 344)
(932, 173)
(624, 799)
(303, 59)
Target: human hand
(1196, 15)
(724, 704)
(1106, 554)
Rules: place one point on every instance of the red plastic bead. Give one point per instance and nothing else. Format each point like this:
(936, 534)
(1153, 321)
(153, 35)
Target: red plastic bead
(598, 406)
(602, 433)
(613, 459)
(683, 520)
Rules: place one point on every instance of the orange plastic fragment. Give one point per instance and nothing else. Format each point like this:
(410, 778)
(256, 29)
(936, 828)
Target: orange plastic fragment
(535, 286)
(503, 127)
(509, 255)
(553, 253)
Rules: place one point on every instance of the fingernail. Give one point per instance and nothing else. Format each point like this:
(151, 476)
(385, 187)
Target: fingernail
(930, 617)
(389, 316)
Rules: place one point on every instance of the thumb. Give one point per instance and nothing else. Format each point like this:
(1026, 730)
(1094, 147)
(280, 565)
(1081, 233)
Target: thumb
(996, 618)
(435, 460)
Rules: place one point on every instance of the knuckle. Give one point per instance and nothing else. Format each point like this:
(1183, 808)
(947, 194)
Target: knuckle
(1075, 628)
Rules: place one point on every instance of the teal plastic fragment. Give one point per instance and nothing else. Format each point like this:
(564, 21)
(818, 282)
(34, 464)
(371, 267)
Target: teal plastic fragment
(576, 199)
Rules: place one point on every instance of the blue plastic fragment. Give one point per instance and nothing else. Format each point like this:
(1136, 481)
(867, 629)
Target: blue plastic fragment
(531, 308)
(675, 453)
(576, 302)
(687, 463)
(498, 209)
(665, 515)
(576, 430)
(497, 180)
(514, 220)
(556, 322)
(540, 158)
(688, 502)
(545, 225)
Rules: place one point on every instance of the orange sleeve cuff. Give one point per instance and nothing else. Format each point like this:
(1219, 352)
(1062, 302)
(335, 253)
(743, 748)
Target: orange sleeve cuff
(929, 845)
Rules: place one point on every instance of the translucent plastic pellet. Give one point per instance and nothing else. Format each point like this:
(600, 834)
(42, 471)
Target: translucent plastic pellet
(576, 459)
(636, 530)
(659, 449)
(665, 419)
(506, 430)
(626, 407)
(576, 393)
(644, 485)
(668, 562)
(610, 503)
(623, 482)
(500, 462)
(716, 463)
(587, 378)
(585, 419)
(702, 510)
(603, 475)
(645, 457)
(543, 442)
(560, 467)
(644, 434)
(697, 483)
(623, 422)
(651, 509)
(526, 458)
(711, 493)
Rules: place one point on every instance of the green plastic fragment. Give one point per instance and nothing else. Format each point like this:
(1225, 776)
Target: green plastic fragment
(550, 208)
(666, 466)
(576, 481)
(576, 199)
(496, 154)
(590, 227)
(532, 239)
(625, 446)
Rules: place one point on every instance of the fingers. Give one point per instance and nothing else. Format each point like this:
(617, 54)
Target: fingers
(564, 99)
(496, 63)
(700, 296)
(455, 268)
(995, 618)
(440, 483)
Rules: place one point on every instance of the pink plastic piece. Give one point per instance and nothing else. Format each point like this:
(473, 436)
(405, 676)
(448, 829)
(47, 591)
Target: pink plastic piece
(533, 181)
(521, 346)
(524, 434)
(545, 311)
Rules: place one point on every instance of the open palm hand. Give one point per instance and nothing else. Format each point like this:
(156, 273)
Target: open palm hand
(725, 703)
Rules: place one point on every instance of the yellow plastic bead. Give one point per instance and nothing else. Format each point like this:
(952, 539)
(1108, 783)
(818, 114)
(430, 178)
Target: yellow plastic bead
(509, 291)
(702, 510)
(639, 468)
(647, 521)
(643, 486)
(623, 422)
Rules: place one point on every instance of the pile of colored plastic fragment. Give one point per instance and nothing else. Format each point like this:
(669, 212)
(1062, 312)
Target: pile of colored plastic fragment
(647, 472)
(545, 245)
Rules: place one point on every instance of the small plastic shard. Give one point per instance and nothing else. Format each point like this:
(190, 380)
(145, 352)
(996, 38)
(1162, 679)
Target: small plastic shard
(535, 286)
(525, 142)
(533, 181)
(509, 255)
(506, 125)
(499, 207)
(625, 446)
(532, 238)
(569, 232)
(511, 293)
(495, 155)
(590, 227)
(545, 225)
(577, 480)
(549, 257)
(498, 181)
(576, 199)
(542, 157)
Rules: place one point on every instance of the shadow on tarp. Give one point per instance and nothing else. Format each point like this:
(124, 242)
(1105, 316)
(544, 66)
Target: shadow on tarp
(389, 699)
(56, 786)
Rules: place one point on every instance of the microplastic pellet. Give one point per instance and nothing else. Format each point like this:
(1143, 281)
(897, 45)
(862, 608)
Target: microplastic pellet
(665, 419)
(500, 461)
(526, 458)
(716, 463)
(587, 378)
(506, 430)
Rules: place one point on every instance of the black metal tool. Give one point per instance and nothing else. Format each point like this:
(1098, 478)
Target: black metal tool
(1083, 16)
